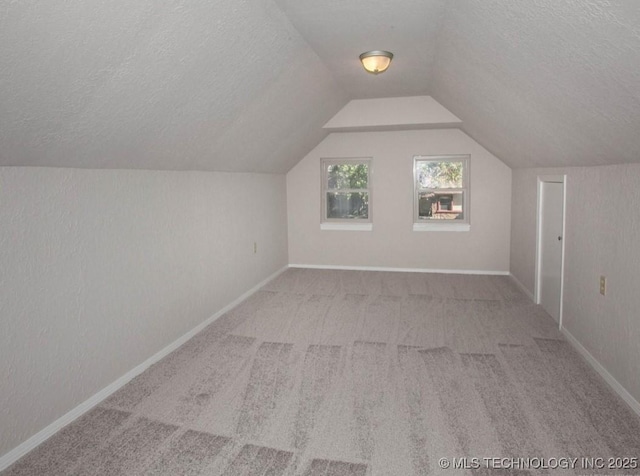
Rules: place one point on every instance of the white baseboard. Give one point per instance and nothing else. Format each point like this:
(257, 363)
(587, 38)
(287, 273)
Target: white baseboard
(604, 373)
(401, 270)
(30, 444)
(522, 287)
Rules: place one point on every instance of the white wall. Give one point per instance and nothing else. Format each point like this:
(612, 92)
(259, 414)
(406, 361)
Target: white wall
(101, 269)
(392, 243)
(602, 229)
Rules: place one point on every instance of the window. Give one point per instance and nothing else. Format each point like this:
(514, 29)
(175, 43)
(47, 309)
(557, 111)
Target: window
(346, 194)
(441, 196)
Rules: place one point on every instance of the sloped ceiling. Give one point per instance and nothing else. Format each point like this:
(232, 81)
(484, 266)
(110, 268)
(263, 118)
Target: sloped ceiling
(246, 85)
(199, 84)
(544, 82)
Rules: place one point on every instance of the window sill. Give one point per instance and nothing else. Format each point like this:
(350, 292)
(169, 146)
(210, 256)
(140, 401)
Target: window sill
(346, 226)
(441, 227)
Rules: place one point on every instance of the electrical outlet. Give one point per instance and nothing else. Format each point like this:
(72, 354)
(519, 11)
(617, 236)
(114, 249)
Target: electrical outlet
(603, 285)
(255, 247)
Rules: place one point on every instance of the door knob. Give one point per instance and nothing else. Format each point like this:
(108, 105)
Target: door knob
(559, 238)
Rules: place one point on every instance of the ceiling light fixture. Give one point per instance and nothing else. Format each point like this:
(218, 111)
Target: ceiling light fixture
(376, 62)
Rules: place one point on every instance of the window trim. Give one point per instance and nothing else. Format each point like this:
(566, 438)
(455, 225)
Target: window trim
(332, 226)
(349, 224)
(443, 225)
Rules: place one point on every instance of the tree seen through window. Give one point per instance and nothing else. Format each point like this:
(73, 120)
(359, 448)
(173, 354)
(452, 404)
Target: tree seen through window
(347, 194)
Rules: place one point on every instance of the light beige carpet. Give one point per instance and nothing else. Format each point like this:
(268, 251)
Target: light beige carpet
(355, 373)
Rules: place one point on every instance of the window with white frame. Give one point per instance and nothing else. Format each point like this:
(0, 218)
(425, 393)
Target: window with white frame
(346, 194)
(441, 193)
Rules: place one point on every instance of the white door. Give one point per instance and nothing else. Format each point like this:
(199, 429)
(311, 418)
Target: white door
(550, 246)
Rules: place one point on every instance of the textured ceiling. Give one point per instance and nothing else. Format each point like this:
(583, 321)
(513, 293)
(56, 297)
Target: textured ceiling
(246, 85)
(199, 84)
(339, 30)
(544, 82)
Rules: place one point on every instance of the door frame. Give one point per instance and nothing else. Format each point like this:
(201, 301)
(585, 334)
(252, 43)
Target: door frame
(537, 291)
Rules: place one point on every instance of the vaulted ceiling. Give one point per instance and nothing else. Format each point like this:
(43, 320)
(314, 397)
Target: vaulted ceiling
(246, 85)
